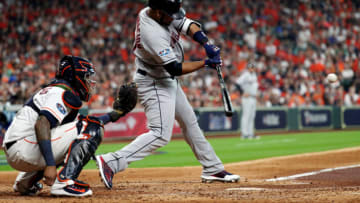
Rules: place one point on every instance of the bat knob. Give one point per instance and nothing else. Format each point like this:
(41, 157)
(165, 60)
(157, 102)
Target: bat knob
(229, 113)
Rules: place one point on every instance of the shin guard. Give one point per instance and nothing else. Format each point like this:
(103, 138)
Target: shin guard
(81, 150)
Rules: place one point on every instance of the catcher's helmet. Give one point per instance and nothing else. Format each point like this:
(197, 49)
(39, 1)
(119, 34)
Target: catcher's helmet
(170, 7)
(77, 72)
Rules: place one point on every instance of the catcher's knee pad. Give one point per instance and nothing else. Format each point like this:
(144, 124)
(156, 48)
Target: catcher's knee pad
(83, 148)
(90, 127)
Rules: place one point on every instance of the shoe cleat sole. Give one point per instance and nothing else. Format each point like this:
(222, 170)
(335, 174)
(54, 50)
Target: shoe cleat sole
(100, 175)
(223, 181)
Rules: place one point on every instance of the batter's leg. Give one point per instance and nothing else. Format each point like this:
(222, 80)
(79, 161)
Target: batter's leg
(202, 149)
(158, 99)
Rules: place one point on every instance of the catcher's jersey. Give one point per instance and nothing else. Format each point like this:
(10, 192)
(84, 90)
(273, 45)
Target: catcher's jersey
(48, 101)
(156, 45)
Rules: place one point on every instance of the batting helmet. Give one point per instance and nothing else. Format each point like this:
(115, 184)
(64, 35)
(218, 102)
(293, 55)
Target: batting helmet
(170, 7)
(77, 72)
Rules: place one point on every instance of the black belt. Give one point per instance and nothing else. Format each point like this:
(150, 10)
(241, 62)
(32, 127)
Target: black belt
(9, 144)
(144, 73)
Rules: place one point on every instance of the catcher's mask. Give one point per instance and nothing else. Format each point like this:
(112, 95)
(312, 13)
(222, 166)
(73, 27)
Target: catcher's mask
(80, 73)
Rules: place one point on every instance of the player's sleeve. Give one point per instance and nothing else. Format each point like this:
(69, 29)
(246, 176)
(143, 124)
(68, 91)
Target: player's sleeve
(241, 80)
(158, 46)
(58, 105)
(183, 25)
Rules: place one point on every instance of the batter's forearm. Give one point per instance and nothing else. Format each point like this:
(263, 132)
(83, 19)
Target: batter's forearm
(188, 67)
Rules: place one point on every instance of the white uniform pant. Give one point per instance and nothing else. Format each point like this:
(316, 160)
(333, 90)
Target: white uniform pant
(25, 154)
(248, 106)
(164, 100)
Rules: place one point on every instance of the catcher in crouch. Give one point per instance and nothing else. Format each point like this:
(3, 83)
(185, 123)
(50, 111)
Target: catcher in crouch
(48, 131)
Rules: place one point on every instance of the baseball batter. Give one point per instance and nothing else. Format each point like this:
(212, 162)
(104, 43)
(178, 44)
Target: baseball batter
(159, 60)
(249, 85)
(48, 128)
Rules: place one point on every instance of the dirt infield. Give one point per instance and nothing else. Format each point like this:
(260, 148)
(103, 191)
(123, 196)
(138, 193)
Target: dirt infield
(183, 184)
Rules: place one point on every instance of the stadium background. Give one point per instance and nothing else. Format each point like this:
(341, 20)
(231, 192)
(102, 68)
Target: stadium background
(295, 45)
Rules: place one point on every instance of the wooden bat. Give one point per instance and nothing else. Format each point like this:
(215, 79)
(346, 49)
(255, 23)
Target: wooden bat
(225, 94)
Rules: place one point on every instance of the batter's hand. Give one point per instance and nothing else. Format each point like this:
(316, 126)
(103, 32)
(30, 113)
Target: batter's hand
(213, 62)
(211, 50)
(50, 175)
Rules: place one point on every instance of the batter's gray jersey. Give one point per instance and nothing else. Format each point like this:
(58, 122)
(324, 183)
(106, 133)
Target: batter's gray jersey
(162, 97)
(155, 49)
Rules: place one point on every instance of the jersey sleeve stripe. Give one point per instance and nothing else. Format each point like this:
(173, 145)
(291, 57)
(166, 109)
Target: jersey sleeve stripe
(52, 112)
(168, 61)
(181, 25)
(186, 25)
(51, 118)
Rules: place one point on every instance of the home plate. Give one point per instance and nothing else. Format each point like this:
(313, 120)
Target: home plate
(247, 188)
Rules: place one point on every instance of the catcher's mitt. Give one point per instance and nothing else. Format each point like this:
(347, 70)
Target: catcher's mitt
(126, 99)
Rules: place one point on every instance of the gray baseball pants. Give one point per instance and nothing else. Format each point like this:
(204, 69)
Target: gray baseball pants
(164, 100)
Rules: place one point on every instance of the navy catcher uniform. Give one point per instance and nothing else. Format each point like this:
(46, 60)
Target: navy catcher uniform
(159, 60)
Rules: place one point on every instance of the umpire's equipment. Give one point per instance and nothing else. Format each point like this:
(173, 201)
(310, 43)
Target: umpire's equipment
(82, 149)
(77, 72)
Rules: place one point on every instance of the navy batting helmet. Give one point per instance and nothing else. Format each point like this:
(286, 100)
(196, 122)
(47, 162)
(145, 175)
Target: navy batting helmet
(170, 7)
(77, 71)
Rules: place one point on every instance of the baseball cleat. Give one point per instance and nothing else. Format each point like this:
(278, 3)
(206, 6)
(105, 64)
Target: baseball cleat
(26, 183)
(69, 188)
(33, 190)
(105, 171)
(223, 176)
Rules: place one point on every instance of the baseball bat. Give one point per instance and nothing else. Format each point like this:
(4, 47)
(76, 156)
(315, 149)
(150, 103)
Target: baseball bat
(225, 94)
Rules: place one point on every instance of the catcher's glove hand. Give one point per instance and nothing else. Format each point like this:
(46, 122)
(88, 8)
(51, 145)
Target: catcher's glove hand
(125, 101)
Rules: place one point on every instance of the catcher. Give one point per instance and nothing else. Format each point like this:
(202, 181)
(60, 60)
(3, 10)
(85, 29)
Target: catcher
(49, 131)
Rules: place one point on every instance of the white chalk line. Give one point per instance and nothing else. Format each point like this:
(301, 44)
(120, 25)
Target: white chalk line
(247, 189)
(311, 173)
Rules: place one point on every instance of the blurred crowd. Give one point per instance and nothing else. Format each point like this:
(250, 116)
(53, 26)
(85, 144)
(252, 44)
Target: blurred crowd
(293, 44)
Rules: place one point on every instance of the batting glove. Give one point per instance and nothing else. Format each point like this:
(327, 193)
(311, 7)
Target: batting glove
(213, 62)
(211, 50)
